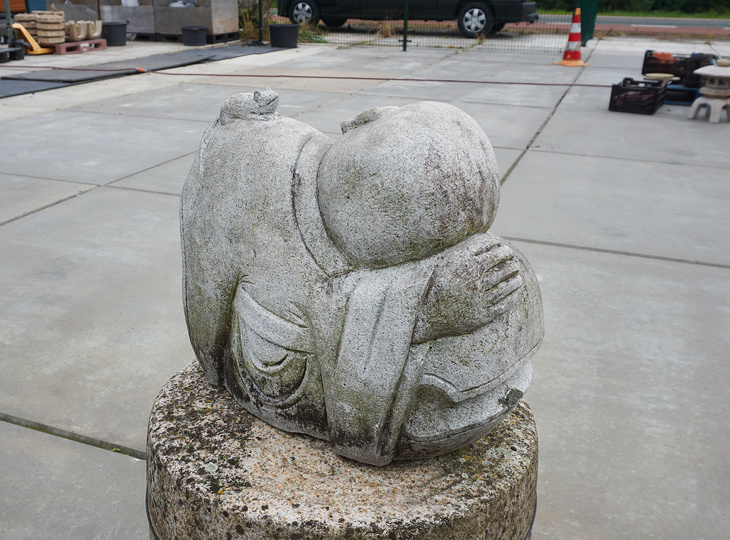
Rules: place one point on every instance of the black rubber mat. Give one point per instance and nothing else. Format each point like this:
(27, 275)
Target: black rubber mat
(15, 88)
(155, 62)
(37, 81)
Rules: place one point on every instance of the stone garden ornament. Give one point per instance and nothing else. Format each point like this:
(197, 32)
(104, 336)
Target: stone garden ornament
(349, 289)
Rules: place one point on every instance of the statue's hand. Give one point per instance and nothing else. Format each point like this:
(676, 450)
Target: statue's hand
(469, 288)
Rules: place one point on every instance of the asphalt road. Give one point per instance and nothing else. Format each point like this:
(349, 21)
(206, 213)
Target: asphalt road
(611, 21)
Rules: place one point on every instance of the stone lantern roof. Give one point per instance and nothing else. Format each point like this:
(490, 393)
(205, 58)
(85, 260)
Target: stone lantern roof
(718, 79)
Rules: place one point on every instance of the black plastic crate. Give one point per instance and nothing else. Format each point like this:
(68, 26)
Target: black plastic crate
(664, 62)
(679, 65)
(641, 97)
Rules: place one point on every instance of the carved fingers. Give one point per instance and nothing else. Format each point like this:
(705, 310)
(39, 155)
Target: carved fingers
(469, 289)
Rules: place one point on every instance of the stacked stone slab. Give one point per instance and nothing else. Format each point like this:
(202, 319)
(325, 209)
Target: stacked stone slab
(81, 30)
(50, 26)
(29, 22)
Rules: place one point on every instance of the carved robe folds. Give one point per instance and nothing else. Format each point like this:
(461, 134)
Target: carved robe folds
(350, 290)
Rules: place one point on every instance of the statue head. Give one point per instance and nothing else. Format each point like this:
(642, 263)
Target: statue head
(427, 180)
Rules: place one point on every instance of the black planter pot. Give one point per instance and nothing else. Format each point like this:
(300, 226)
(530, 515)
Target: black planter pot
(193, 36)
(115, 33)
(284, 35)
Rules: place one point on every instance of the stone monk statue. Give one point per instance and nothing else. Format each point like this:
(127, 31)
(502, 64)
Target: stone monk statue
(349, 289)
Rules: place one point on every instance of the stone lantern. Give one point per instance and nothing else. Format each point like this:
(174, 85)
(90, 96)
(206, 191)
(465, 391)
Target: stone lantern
(715, 93)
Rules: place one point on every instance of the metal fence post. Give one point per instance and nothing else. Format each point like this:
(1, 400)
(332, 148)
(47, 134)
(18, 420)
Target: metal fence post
(261, 21)
(588, 11)
(405, 27)
(9, 23)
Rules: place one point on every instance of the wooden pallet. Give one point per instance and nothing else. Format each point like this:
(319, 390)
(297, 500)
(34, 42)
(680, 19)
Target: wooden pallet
(223, 38)
(80, 46)
(176, 38)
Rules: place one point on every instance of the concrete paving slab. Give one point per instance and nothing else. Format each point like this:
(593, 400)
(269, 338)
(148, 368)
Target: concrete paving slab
(278, 77)
(328, 119)
(183, 101)
(587, 98)
(629, 61)
(635, 47)
(116, 147)
(71, 96)
(608, 76)
(654, 209)
(514, 94)
(507, 126)
(166, 178)
(55, 489)
(628, 392)
(22, 195)
(91, 316)
(479, 55)
(369, 59)
(662, 138)
(454, 68)
(506, 158)
(201, 101)
(258, 60)
(421, 90)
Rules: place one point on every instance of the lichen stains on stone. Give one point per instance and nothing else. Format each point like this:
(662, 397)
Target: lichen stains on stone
(262, 492)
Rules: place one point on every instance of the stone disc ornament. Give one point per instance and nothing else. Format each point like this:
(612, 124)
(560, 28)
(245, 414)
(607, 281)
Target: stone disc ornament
(351, 290)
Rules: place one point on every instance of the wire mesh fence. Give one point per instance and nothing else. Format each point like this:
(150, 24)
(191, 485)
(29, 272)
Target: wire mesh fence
(476, 24)
(459, 26)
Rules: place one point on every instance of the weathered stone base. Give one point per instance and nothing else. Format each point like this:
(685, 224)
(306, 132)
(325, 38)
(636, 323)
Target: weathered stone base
(215, 471)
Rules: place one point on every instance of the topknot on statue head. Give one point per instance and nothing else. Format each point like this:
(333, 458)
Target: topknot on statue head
(248, 105)
(406, 183)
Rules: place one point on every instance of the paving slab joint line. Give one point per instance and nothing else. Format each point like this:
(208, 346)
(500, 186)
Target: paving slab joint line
(542, 126)
(54, 203)
(617, 252)
(334, 100)
(619, 158)
(130, 175)
(76, 437)
(140, 190)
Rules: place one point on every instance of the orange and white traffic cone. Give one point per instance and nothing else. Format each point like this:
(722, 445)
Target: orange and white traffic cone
(571, 57)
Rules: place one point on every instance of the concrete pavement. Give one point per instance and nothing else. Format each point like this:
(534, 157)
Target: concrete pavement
(624, 218)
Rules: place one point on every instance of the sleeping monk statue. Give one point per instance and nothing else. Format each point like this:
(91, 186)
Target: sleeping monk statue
(349, 289)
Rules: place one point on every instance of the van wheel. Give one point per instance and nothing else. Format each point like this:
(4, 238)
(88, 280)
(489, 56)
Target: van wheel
(304, 12)
(475, 19)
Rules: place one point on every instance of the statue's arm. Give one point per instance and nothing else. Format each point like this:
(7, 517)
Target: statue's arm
(468, 289)
(210, 279)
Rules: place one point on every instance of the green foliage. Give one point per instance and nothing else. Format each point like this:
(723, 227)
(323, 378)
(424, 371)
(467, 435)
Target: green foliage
(248, 17)
(719, 7)
(308, 34)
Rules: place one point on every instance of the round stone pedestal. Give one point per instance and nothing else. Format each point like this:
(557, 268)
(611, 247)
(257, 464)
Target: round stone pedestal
(215, 471)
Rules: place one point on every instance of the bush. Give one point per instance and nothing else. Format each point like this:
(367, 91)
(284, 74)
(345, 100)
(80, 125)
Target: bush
(684, 6)
(248, 18)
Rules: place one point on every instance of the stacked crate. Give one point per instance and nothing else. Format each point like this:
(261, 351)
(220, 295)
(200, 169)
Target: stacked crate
(29, 22)
(50, 27)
